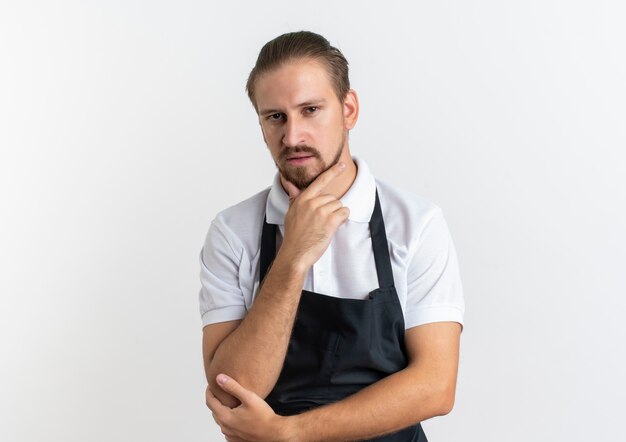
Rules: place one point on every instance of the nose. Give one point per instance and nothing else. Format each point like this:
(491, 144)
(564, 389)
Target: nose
(294, 133)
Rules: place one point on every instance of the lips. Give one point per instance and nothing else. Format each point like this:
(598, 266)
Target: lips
(298, 157)
(299, 160)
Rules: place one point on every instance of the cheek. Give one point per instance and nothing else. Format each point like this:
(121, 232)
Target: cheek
(270, 135)
(333, 129)
(325, 128)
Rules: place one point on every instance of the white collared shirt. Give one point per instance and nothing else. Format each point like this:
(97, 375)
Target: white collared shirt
(423, 258)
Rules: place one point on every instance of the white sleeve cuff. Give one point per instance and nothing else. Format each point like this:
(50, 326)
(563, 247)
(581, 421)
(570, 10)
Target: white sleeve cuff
(223, 314)
(427, 315)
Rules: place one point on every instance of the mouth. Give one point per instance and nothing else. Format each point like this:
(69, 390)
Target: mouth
(298, 160)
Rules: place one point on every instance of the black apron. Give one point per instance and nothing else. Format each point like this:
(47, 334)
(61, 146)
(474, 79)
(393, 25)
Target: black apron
(339, 346)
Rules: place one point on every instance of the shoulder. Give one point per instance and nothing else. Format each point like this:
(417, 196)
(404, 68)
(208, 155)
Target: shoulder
(405, 210)
(242, 222)
(246, 212)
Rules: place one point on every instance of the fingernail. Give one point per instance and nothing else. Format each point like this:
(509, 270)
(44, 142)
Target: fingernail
(221, 378)
(342, 165)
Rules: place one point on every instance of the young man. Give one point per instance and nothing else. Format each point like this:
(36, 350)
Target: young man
(331, 302)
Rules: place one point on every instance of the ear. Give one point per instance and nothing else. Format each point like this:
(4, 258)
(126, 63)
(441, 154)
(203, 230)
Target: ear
(350, 109)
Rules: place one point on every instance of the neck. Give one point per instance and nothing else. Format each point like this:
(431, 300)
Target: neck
(340, 185)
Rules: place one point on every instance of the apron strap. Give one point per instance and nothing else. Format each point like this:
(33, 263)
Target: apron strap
(381, 249)
(268, 248)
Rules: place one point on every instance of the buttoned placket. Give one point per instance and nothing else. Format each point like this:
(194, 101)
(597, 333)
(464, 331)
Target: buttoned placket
(322, 272)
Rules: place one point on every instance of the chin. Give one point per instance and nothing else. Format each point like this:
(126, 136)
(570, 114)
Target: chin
(299, 177)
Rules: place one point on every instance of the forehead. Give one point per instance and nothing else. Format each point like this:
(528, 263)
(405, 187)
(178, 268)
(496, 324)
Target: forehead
(294, 82)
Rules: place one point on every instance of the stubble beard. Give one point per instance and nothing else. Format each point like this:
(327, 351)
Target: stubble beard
(300, 176)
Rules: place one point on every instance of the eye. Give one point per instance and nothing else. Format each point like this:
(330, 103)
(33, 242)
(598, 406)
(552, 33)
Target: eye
(311, 109)
(275, 117)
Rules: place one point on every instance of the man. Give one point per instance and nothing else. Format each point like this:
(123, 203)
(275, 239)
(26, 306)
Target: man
(331, 302)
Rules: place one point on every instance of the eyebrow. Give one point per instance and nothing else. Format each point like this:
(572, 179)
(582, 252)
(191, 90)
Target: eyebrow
(303, 104)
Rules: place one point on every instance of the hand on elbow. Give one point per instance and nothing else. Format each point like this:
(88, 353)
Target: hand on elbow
(226, 399)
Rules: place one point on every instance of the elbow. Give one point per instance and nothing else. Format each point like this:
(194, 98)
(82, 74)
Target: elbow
(445, 408)
(225, 398)
(445, 400)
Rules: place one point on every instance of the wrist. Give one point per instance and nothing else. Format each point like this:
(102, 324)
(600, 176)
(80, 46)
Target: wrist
(289, 430)
(291, 264)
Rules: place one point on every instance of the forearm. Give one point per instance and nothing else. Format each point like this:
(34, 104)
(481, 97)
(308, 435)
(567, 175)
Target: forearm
(255, 351)
(395, 402)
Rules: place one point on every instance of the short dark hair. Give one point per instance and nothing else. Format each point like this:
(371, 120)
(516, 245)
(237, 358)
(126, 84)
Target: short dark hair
(298, 45)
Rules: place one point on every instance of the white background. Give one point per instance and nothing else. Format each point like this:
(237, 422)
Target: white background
(124, 128)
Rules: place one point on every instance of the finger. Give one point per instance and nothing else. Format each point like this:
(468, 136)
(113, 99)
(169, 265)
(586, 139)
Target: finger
(331, 206)
(214, 403)
(291, 189)
(316, 187)
(231, 386)
(341, 215)
(321, 201)
(209, 394)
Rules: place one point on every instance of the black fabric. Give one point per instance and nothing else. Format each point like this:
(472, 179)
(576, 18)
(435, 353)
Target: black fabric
(380, 246)
(339, 346)
(268, 248)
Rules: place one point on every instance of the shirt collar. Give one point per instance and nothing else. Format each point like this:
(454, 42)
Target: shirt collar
(359, 198)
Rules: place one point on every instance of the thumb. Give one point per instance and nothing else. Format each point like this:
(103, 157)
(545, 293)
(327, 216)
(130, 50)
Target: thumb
(229, 385)
(290, 188)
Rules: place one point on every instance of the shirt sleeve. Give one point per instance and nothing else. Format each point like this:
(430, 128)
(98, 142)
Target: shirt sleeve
(434, 290)
(221, 297)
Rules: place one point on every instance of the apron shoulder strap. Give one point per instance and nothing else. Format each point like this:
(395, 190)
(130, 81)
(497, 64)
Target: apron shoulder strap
(380, 246)
(268, 248)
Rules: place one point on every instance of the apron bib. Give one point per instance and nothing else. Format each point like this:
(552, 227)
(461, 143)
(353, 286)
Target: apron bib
(339, 346)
